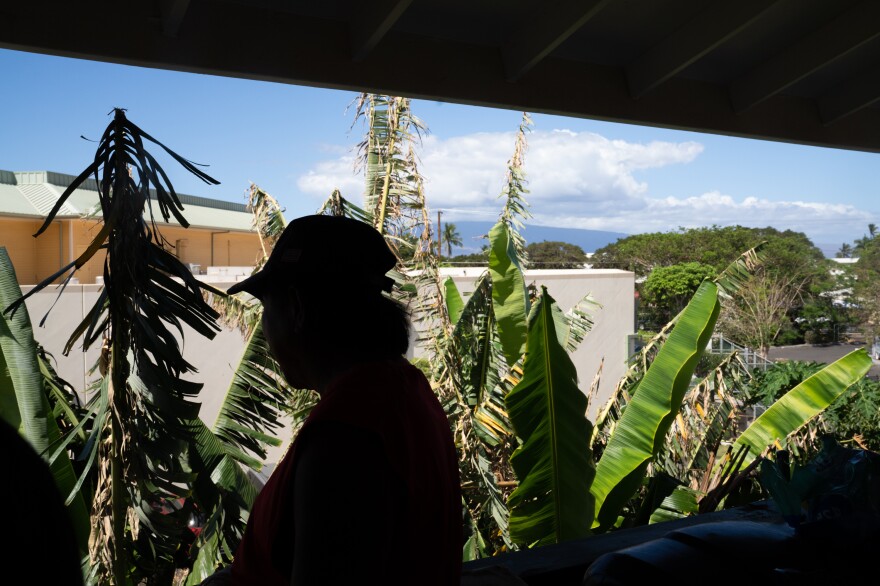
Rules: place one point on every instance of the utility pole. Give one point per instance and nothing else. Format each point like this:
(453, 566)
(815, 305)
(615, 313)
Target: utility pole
(439, 236)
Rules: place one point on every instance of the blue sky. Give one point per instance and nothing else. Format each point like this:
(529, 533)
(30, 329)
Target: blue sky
(297, 143)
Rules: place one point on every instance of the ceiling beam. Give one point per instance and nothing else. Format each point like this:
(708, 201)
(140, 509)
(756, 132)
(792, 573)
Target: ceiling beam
(849, 31)
(173, 12)
(370, 22)
(850, 97)
(541, 36)
(704, 33)
(312, 51)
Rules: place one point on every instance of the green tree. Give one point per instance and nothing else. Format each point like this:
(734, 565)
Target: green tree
(451, 237)
(866, 286)
(555, 255)
(478, 259)
(787, 252)
(861, 245)
(668, 289)
(845, 251)
(792, 261)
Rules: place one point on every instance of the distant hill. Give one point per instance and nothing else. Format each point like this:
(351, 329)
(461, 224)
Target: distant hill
(588, 240)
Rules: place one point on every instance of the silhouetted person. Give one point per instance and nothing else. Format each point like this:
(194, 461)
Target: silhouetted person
(369, 491)
(40, 545)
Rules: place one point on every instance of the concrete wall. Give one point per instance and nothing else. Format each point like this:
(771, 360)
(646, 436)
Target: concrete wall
(216, 359)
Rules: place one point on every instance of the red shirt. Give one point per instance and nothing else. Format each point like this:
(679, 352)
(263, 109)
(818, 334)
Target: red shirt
(393, 400)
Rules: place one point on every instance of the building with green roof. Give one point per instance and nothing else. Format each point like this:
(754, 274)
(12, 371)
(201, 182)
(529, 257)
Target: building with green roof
(220, 243)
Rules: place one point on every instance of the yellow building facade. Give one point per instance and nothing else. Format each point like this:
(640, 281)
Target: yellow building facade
(220, 232)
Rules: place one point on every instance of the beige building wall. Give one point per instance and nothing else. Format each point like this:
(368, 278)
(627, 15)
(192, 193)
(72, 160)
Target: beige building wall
(63, 241)
(17, 237)
(84, 231)
(214, 248)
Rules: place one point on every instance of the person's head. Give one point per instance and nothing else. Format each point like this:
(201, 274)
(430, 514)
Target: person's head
(325, 304)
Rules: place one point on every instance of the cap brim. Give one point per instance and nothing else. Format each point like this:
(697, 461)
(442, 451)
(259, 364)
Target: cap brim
(255, 285)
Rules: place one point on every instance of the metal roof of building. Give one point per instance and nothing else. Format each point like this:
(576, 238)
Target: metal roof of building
(33, 194)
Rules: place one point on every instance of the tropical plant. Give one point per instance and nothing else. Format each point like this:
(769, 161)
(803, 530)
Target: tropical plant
(852, 418)
(498, 361)
(35, 401)
(703, 411)
(492, 352)
(553, 462)
(648, 415)
(804, 402)
(451, 237)
(149, 461)
(668, 289)
(142, 391)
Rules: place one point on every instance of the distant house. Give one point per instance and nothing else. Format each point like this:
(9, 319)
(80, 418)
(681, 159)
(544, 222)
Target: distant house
(220, 233)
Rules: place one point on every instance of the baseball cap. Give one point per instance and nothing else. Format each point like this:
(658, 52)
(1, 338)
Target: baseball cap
(341, 249)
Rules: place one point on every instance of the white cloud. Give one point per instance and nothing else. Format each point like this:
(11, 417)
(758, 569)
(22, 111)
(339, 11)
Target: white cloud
(329, 175)
(584, 180)
(581, 173)
(822, 222)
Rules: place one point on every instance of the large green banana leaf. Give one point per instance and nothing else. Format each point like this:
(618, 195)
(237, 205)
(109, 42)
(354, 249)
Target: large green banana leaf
(23, 399)
(642, 428)
(454, 302)
(509, 296)
(554, 462)
(683, 502)
(803, 402)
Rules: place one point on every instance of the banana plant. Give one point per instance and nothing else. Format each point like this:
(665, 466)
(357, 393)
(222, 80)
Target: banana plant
(553, 462)
(145, 406)
(727, 467)
(507, 256)
(25, 377)
(245, 427)
(802, 403)
(641, 430)
(612, 421)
